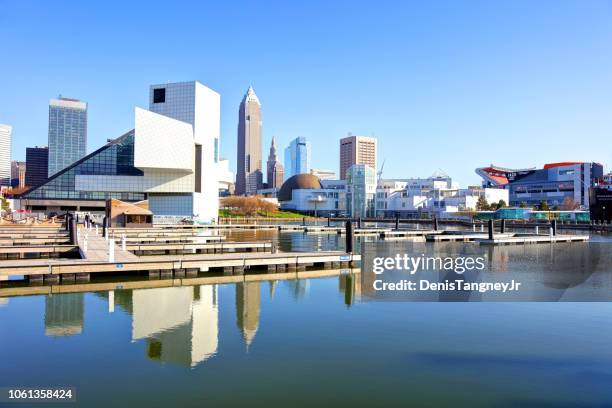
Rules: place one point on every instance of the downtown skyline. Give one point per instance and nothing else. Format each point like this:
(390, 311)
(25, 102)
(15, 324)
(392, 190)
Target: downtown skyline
(499, 98)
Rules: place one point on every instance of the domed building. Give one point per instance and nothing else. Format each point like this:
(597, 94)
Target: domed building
(298, 182)
(306, 194)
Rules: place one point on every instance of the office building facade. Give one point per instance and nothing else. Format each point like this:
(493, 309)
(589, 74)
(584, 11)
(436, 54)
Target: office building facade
(249, 175)
(357, 150)
(164, 160)
(557, 184)
(297, 157)
(18, 171)
(37, 163)
(67, 133)
(5, 155)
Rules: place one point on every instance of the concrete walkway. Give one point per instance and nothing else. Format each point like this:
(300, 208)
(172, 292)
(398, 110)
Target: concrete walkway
(98, 246)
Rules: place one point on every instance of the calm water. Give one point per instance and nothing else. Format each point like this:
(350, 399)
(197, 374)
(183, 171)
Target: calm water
(311, 342)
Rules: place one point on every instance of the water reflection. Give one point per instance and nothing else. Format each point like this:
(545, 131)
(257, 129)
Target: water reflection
(298, 288)
(248, 304)
(64, 314)
(180, 325)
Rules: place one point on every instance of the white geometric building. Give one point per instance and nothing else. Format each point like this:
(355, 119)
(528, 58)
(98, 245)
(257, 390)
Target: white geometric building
(169, 159)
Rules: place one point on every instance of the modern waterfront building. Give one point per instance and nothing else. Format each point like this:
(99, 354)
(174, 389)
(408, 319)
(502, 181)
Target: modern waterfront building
(557, 184)
(67, 133)
(167, 161)
(195, 104)
(37, 163)
(249, 175)
(5, 155)
(361, 191)
(357, 150)
(275, 168)
(324, 174)
(306, 194)
(438, 195)
(297, 157)
(18, 172)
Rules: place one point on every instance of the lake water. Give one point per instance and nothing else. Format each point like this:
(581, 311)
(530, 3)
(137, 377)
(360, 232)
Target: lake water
(316, 342)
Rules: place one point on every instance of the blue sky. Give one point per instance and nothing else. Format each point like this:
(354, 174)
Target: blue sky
(448, 85)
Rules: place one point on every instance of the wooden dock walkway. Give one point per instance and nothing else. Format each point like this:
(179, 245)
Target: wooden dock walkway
(201, 247)
(97, 262)
(47, 288)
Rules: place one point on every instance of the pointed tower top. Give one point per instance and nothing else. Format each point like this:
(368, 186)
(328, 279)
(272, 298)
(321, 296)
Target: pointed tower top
(250, 95)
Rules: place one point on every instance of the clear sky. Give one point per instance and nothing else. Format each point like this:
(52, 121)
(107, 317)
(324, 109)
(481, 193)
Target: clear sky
(450, 85)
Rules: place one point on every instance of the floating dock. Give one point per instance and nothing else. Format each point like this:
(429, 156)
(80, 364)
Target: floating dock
(520, 239)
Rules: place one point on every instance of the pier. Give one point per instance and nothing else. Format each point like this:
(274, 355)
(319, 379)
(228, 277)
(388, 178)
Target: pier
(48, 288)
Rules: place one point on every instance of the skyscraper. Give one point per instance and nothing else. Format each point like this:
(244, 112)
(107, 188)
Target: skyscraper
(37, 163)
(5, 155)
(67, 133)
(357, 150)
(297, 157)
(18, 171)
(249, 176)
(275, 169)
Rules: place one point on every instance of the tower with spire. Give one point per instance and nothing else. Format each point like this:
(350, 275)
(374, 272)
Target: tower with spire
(275, 169)
(249, 175)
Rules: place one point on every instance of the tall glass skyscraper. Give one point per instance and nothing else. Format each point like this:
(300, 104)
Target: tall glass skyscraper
(297, 157)
(5, 155)
(67, 133)
(249, 175)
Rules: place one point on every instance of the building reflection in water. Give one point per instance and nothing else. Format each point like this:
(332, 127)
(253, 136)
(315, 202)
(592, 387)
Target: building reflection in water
(350, 285)
(248, 303)
(180, 324)
(64, 314)
(4, 302)
(298, 288)
(273, 284)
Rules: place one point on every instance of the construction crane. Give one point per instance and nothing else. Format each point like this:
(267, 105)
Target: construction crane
(380, 172)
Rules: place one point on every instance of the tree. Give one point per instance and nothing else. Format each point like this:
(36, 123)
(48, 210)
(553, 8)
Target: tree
(482, 204)
(5, 205)
(544, 206)
(569, 204)
(501, 204)
(250, 206)
(523, 204)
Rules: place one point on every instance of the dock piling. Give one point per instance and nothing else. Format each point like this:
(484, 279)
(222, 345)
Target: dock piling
(503, 226)
(349, 236)
(491, 231)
